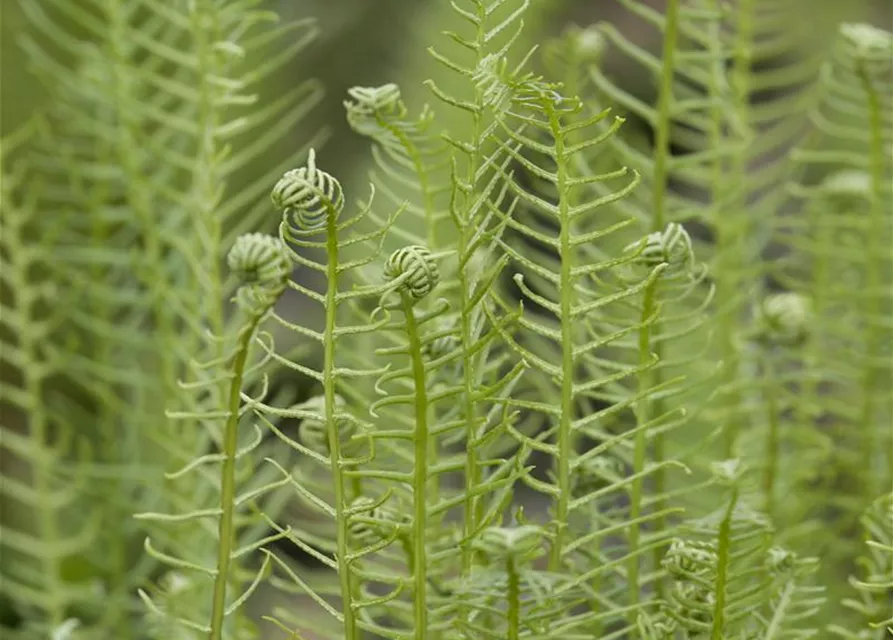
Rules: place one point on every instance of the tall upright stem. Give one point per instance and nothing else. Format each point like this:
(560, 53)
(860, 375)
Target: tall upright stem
(420, 474)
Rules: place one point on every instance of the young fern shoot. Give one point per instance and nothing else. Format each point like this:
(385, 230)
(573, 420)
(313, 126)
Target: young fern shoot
(261, 263)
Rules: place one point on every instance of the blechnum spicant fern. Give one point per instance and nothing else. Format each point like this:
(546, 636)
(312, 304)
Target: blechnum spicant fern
(567, 383)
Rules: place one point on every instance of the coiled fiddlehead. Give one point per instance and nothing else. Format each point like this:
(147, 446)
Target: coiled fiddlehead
(785, 317)
(416, 270)
(262, 265)
(780, 561)
(308, 195)
(370, 103)
(672, 246)
(510, 544)
(691, 559)
(507, 550)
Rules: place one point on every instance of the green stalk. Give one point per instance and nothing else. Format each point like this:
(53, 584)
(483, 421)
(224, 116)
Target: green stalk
(659, 207)
(644, 413)
(873, 312)
(351, 629)
(566, 288)
(39, 427)
(513, 597)
(152, 275)
(722, 569)
(205, 26)
(772, 444)
(662, 126)
(732, 237)
(226, 536)
(420, 473)
(473, 507)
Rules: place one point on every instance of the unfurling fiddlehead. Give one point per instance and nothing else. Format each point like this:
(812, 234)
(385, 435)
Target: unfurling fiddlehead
(416, 270)
(307, 195)
(311, 202)
(671, 246)
(371, 522)
(413, 272)
(262, 265)
(370, 103)
(784, 317)
(509, 549)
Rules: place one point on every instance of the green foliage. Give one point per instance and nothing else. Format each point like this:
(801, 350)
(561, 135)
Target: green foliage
(550, 379)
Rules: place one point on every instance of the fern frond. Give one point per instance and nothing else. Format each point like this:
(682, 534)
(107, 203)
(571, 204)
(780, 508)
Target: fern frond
(44, 526)
(147, 151)
(719, 150)
(411, 163)
(838, 256)
(877, 581)
(311, 202)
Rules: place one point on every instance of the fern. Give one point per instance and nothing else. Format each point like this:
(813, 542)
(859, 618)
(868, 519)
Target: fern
(135, 155)
(47, 533)
(871, 606)
(588, 361)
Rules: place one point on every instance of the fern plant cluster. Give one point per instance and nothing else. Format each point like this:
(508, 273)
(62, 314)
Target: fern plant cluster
(579, 364)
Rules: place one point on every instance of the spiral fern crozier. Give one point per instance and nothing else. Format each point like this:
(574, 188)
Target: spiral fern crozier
(784, 317)
(500, 543)
(309, 195)
(671, 246)
(262, 265)
(416, 269)
(369, 103)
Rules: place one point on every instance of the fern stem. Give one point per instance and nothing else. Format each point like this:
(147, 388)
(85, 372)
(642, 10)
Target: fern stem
(152, 270)
(351, 629)
(228, 481)
(662, 126)
(643, 416)
(420, 473)
(513, 597)
(772, 443)
(659, 221)
(473, 507)
(735, 227)
(566, 289)
(776, 625)
(724, 552)
(205, 26)
(42, 464)
(873, 308)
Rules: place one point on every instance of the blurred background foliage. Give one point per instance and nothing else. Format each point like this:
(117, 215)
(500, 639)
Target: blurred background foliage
(370, 42)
